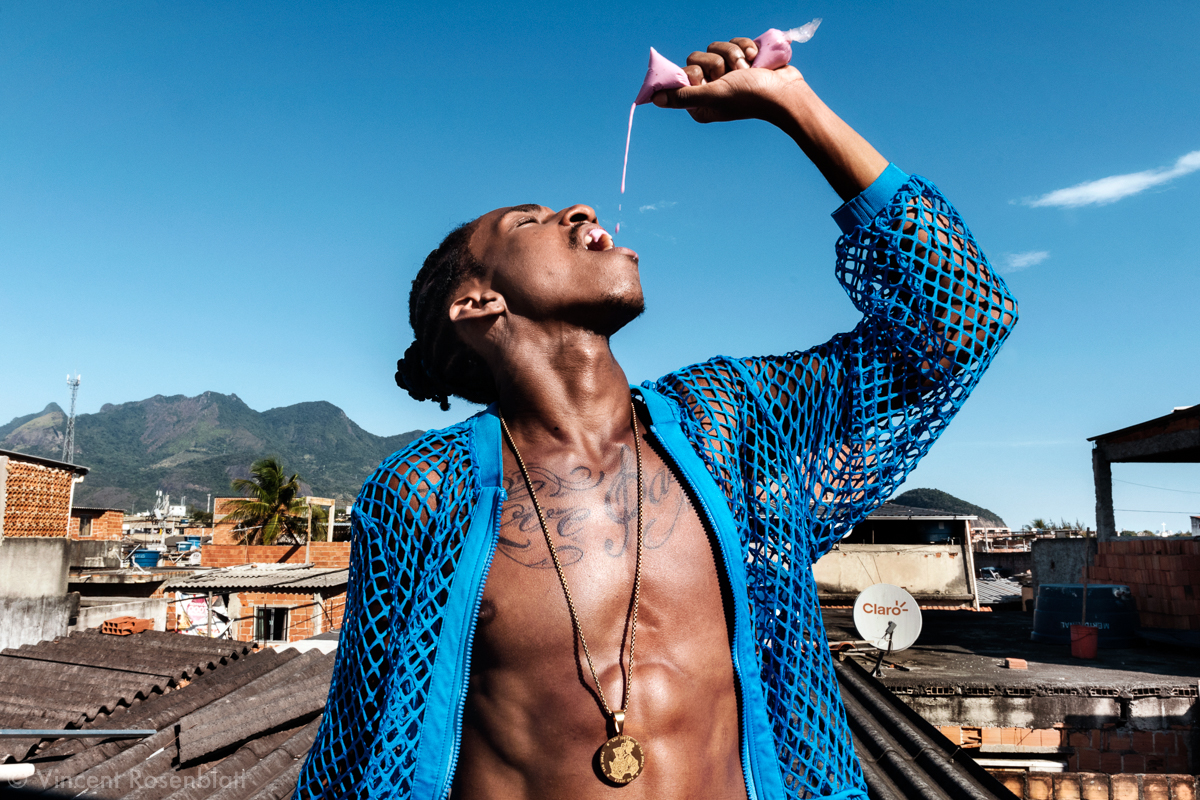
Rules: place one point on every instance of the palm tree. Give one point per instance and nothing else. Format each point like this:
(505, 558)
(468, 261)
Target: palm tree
(272, 507)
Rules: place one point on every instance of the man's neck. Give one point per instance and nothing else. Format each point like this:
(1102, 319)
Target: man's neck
(565, 392)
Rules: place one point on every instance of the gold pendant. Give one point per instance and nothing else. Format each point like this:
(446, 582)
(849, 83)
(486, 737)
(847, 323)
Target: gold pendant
(621, 759)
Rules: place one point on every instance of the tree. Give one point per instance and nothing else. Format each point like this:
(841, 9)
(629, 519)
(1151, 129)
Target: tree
(272, 508)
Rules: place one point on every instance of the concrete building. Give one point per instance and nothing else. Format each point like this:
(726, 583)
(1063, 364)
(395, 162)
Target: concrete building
(1174, 438)
(35, 516)
(926, 552)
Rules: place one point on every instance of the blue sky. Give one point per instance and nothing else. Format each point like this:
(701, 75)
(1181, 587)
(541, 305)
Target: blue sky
(235, 197)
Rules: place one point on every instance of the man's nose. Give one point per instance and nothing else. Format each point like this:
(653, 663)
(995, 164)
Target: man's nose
(576, 213)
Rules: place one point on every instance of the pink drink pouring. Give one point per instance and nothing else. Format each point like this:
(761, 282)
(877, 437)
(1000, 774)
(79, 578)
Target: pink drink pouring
(774, 51)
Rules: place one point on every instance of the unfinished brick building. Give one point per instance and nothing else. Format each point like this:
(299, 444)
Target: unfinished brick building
(96, 523)
(269, 603)
(36, 495)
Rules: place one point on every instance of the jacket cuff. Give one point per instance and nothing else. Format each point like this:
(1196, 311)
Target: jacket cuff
(871, 200)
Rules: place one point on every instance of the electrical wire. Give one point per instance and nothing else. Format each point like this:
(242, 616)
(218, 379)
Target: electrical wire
(1161, 488)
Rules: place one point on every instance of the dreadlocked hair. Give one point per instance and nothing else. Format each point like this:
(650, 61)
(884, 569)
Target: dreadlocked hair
(438, 363)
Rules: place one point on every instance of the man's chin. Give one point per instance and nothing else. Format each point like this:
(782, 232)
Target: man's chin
(614, 313)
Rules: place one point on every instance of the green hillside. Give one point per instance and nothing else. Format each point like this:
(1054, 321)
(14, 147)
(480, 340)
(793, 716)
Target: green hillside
(193, 446)
(48, 411)
(941, 501)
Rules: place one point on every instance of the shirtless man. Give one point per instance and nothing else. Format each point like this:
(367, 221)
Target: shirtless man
(461, 672)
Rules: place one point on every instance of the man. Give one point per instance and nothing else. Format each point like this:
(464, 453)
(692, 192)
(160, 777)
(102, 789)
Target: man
(590, 590)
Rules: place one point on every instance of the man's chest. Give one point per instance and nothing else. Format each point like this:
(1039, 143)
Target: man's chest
(591, 516)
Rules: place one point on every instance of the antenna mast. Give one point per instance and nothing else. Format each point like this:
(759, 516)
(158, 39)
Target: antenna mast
(69, 440)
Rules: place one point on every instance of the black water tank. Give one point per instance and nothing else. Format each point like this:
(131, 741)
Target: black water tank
(1110, 607)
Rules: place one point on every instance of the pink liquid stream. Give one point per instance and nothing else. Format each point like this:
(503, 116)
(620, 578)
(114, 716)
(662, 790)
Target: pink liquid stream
(628, 132)
(625, 166)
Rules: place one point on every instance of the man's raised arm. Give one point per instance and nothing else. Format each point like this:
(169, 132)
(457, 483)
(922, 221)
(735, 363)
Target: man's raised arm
(836, 428)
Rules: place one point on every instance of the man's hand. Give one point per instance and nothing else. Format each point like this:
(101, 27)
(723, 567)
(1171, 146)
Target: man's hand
(725, 87)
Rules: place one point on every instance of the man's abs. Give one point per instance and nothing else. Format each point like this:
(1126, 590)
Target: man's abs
(533, 721)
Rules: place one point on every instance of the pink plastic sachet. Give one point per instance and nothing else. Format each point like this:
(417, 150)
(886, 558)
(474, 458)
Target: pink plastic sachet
(774, 51)
(775, 46)
(662, 74)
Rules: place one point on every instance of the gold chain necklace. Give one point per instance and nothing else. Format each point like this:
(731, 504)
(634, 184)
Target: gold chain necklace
(621, 757)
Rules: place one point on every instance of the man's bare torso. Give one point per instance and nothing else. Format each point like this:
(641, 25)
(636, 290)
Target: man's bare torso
(532, 723)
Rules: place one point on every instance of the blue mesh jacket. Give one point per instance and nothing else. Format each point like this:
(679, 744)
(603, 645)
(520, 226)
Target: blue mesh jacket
(784, 454)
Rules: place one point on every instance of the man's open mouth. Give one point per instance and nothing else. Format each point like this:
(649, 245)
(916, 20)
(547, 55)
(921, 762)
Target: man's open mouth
(598, 239)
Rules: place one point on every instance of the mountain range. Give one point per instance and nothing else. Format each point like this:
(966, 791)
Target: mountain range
(193, 446)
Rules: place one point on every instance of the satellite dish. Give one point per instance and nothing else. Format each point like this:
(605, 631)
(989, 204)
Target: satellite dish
(888, 617)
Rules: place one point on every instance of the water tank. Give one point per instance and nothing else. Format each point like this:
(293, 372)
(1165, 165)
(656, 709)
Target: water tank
(146, 558)
(1110, 607)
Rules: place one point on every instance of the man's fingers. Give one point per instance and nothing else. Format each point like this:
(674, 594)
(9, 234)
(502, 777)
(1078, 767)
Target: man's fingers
(748, 47)
(695, 74)
(713, 64)
(733, 55)
(687, 97)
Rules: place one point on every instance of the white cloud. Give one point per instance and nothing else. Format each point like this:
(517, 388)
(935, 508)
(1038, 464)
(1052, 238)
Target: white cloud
(1019, 261)
(659, 206)
(1115, 187)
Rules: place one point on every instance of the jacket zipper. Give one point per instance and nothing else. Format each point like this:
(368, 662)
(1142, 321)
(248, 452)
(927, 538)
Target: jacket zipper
(748, 755)
(469, 644)
(749, 762)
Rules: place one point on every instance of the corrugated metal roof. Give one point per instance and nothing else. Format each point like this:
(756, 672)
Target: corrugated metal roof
(262, 577)
(1004, 590)
(892, 510)
(243, 731)
(904, 757)
(234, 732)
(88, 675)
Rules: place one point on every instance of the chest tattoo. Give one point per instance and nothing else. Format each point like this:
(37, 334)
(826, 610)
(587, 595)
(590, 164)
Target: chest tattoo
(568, 502)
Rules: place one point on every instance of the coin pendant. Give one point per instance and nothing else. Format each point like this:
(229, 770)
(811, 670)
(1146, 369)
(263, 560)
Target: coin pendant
(621, 759)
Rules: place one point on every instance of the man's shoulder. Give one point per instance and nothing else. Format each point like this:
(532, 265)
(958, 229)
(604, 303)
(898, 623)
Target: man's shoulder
(432, 458)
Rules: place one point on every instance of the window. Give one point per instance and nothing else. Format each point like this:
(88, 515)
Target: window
(85, 526)
(270, 624)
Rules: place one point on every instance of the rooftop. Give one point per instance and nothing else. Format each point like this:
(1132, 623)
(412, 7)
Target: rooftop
(232, 731)
(1174, 437)
(963, 653)
(87, 676)
(45, 462)
(895, 510)
(279, 577)
(1004, 590)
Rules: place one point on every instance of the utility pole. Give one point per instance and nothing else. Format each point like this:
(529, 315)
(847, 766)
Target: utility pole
(68, 454)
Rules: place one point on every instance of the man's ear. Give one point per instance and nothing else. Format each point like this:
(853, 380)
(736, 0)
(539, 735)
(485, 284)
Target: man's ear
(473, 302)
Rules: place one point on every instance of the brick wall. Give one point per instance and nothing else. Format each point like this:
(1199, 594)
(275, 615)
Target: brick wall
(1163, 574)
(223, 531)
(1092, 786)
(305, 616)
(36, 499)
(327, 555)
(1108, 751)
(106, 523)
